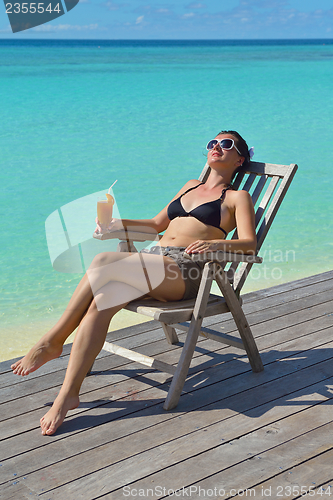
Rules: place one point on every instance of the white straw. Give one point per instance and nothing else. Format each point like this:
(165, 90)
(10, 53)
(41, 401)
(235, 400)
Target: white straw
(112, 186)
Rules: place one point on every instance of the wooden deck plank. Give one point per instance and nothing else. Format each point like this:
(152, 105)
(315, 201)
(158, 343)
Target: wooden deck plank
(217, 449)
(311, 446)
(293, 333)
(313, 475)
(221, 373)
(8, 380)
(282, 310)
(16, 490)
(112, 362)
(267, 315)
(234, 402)
(90, 384)
(121, 431)
(220, 392)
(290, 286)
(254, 456)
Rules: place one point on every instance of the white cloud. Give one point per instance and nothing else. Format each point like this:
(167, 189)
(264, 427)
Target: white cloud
(6, 30)
(65, 27)
(195, 5)
(139, 19)
(111, 5)
(190, 14)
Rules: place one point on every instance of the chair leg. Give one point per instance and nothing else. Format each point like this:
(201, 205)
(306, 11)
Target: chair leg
(184, 362)
(240, 320)
(170, 333)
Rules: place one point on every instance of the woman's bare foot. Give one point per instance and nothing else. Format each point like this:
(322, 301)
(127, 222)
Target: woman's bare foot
(56, 415)
(40, 354)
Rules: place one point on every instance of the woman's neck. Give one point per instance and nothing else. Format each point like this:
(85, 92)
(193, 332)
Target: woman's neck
(217, 180)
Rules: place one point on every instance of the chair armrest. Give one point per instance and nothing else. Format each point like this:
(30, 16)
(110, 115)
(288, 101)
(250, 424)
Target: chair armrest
(126, 235)
(221, 256)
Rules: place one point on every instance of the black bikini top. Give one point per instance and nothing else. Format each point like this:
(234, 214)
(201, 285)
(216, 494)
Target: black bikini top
(209, 213)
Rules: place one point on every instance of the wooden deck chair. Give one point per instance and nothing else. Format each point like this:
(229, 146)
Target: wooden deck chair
(267, 184)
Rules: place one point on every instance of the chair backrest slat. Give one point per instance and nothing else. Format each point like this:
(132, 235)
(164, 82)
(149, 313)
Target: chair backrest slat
(258, 189)
(249, 182)
(269, 206)
(238, 180)
(266, 198)
(275, 205)
(205, 173)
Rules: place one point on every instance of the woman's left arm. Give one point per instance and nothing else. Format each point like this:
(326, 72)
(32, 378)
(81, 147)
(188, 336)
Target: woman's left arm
(245, 222)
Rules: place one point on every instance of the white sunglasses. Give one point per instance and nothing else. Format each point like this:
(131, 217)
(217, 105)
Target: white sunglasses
(226, 144)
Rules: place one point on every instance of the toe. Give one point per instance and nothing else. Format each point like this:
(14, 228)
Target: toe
(18, 369)
(44, 427)
(15, 367)
(51, 430)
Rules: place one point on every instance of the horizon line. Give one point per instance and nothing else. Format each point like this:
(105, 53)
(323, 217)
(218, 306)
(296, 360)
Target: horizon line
(171, 39)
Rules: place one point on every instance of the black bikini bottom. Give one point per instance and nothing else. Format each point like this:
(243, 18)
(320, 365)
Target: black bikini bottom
(191, 271)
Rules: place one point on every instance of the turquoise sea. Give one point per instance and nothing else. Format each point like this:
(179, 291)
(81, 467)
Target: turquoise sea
(77, 115)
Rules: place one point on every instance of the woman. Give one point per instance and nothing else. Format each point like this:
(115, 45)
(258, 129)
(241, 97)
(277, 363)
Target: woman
(197, 220)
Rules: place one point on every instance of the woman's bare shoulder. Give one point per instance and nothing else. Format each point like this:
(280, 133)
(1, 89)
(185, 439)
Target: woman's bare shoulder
(239, 194)
(192, 182)
(189, 184)
(239, 197)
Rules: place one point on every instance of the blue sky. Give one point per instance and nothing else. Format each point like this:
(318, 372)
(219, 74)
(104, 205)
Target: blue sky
(184, 19)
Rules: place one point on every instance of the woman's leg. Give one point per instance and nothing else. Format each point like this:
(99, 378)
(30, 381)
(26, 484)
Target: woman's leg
(50, 345)
(91, 335)
(87, 344)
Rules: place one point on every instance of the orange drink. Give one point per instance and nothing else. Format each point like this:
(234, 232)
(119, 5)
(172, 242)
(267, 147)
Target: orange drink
(104, 210)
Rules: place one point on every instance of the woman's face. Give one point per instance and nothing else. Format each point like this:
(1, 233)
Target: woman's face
(226, 156)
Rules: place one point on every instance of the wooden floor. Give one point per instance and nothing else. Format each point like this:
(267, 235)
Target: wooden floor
(234, 433)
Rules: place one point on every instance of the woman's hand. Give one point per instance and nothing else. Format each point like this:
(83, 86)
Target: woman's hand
(202, 246)
(114, 225)
(98, 229)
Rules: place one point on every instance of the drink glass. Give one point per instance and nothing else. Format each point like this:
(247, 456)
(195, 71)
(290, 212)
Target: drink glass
(104, 212)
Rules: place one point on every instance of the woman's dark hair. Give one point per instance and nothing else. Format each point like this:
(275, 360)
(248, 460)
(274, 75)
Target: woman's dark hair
(241, 145)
